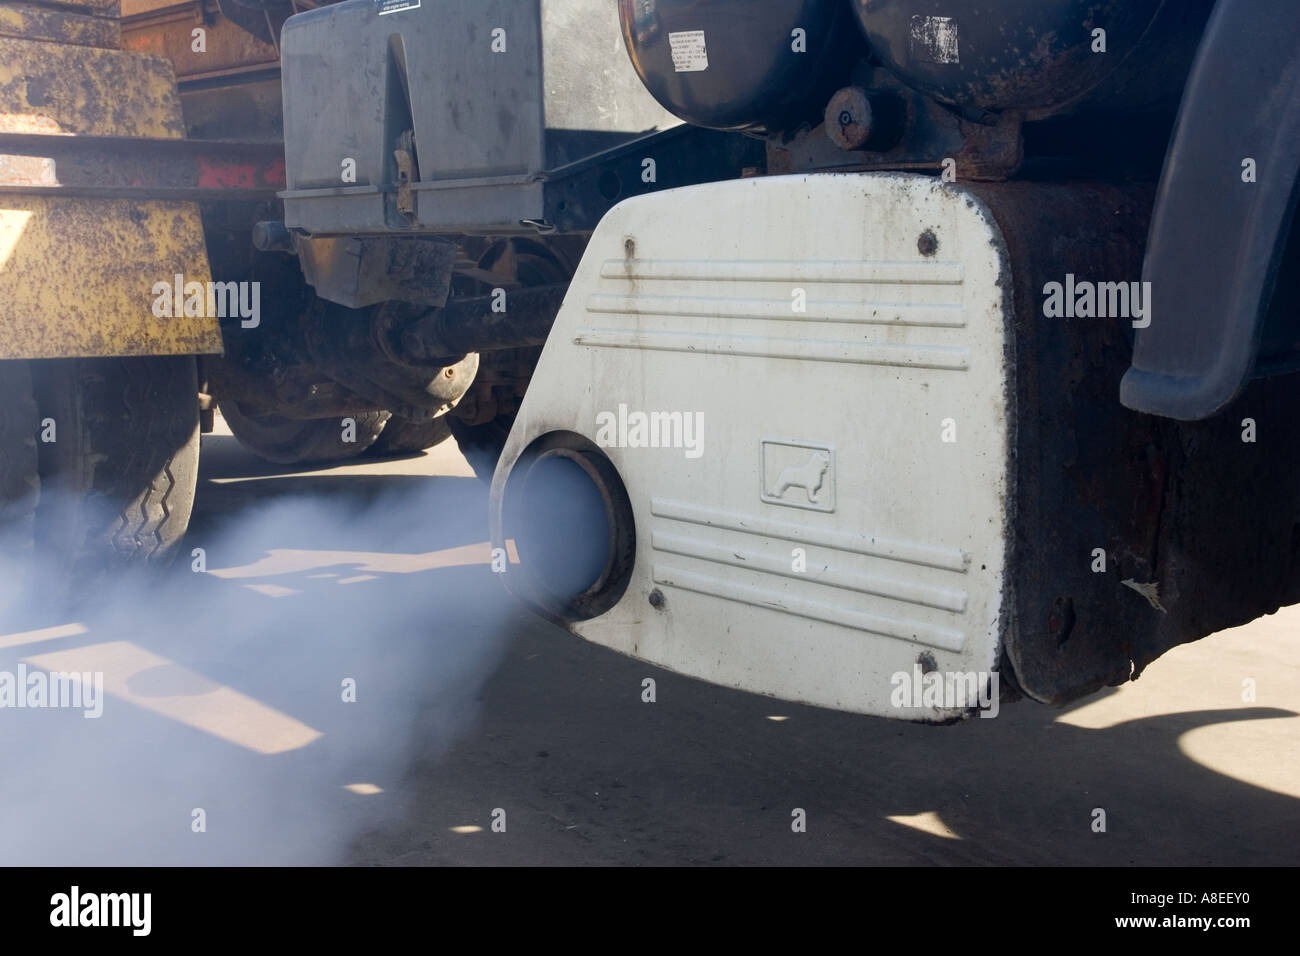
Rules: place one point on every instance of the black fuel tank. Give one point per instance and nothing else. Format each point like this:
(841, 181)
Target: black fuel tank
(1045, 57)
(756, 66)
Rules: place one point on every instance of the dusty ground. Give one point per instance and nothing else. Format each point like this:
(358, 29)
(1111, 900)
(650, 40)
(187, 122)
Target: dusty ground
(466, 705)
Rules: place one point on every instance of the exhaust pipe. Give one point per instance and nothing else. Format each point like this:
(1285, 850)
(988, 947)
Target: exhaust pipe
(568, 513)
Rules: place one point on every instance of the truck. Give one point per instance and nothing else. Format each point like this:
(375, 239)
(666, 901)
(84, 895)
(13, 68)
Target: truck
(227, 64)
(994, 363)
(891, 356)
(156, 262)
(398, 222)
(954, 367)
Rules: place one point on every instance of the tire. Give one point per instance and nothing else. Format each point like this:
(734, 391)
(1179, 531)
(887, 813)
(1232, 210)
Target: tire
(482, 444)
(287, 441)
(118, 480)
(403, 436)
(20, 482)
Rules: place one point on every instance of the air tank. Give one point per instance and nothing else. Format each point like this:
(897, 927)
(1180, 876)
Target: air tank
(766, 66)
(1041, 57)
(755, 66)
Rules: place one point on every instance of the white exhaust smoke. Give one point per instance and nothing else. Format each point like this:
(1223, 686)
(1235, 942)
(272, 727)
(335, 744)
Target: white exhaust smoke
(262, 699)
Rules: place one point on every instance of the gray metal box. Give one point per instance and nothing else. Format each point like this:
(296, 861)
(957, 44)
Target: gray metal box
(496, 92)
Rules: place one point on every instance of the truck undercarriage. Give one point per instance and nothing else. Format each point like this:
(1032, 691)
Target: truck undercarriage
(973, 388)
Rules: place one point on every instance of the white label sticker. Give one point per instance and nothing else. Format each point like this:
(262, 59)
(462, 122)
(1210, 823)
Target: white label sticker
(690, 55)
(934, 39)
(396, 6)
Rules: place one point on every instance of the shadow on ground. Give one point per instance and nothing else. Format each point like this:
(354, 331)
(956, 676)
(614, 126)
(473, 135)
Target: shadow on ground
(226, 694)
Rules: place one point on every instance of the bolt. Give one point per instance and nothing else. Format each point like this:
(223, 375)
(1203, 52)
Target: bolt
(656, 598)
(927, 244)
(848, 118)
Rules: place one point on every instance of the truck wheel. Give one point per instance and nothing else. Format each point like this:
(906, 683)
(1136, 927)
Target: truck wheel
(19, 480)
(118, 460)
(404, 436)
(288, 441)
(482, 444)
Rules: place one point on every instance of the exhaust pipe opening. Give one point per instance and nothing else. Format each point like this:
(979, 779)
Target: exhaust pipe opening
(570, 518)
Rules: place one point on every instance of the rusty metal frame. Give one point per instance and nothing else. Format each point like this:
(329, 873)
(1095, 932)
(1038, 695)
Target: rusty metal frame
(118, 167)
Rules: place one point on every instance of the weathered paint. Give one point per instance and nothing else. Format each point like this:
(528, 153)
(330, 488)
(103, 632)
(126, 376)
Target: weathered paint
(30, 22)
(76, 277)
(228, 48)
(214, 175)
(100, 8)
(131, 167)
(85, 91)
(823, 420)
(1097, 537)
(76, 274)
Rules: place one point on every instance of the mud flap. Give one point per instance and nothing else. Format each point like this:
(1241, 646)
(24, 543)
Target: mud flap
(77, 275)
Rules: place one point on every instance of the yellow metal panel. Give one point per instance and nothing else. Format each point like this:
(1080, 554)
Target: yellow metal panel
(100, 8)
(76, 278)
(88, 91)
(76, 274)
(43, 23)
